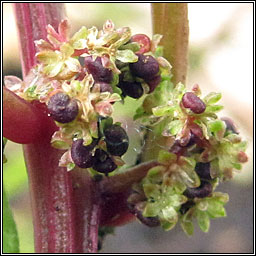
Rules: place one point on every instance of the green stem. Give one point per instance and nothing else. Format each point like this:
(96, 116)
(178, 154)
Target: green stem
(171, 21)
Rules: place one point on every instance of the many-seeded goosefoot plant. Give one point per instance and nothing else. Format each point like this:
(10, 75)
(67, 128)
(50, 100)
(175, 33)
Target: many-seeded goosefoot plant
(62, 112)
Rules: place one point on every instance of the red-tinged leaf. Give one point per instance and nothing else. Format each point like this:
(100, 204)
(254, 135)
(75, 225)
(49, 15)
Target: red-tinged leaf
(21, 121)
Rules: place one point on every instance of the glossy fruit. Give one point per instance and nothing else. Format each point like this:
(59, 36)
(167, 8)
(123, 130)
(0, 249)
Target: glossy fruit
(194, 103)
(62, 108)
(132, 89)
(82, 155)
(103, 162)
(203, 170)
(143, 41)
(146, 67)
(205, 189)
(99, 73)
(116, 139)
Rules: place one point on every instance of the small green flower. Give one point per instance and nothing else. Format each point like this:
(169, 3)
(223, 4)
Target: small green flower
(204, 209)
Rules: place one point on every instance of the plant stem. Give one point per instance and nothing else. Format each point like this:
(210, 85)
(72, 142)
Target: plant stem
(171, 21)
(65, 206)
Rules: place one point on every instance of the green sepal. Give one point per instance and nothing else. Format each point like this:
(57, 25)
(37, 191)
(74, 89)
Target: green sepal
(203, 220)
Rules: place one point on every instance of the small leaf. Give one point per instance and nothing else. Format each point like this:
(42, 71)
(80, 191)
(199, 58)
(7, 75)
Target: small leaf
(48, 57)
(166, 158)
(187, 227)
(151, 210)
(203, 220)
(163, 111)
(155, 174)
(175, 126)
(126, 56)
(216, 126)
(12, 83)
(78, 39)
(73, 64)
(151, 190)
(131, 46)
(213, 108)
(212, 98)
(166, 225)
(216, 209)
(10, 235)
(170, 214)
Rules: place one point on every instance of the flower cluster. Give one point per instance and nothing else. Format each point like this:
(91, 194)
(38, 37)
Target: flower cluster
(201, 150)
(79, 78)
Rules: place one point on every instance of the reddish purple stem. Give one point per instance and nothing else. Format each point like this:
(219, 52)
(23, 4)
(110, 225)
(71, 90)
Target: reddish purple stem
(65, 205)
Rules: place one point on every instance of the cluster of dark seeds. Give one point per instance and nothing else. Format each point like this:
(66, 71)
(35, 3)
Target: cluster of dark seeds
(117, 143)
(146, 68)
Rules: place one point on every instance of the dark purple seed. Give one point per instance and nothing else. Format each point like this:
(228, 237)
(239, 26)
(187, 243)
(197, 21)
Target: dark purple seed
(203, 170)
(205, 189)
(99, 73)
(146, 67)
(62, 108)
(116, 139)
(132, 89)
(153, 83)
(82, 155)
(230, 125)
(105, 87)
(185, 207)
(194, 103)
(103, 162)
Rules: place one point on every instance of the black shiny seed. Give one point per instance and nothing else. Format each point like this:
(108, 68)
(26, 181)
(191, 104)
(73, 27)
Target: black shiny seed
(99, 73)
(203, 170)
(82, 155)
(103, 162)
(146, 67)
(205, 189)
(194, 103)
(116, 139)
(132, 89)
(62, 108)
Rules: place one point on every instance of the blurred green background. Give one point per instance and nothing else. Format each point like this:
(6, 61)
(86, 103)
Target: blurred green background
(220, 59)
